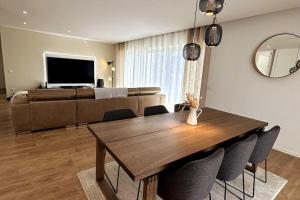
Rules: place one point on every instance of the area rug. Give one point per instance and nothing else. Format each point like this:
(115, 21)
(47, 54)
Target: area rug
(128, 188)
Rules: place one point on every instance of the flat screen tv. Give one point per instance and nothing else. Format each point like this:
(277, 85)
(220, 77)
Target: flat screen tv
(64, 71)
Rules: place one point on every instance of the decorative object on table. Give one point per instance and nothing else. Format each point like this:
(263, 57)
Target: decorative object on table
(191, 51)
(211, 7)
(100, 83)
(278, 56)
(213, 35)
(113, 69)
(43, 85)
(193, 104)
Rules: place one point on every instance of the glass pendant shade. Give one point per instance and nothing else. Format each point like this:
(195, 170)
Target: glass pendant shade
(211, 7)
(213, 35)
(191, 51)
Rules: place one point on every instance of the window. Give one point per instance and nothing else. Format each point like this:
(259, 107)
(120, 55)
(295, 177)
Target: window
(157, 61)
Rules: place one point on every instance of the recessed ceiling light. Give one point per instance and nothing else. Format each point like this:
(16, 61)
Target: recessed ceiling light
(268, 46)
(24, 23)
(24, 12)
(69, 31)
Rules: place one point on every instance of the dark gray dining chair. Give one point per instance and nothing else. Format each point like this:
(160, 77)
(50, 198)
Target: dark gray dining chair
(114, 115)
(235, 161)
(181, 107)
(193, 181)
(155, 110)
(262, 149)
(120, 114)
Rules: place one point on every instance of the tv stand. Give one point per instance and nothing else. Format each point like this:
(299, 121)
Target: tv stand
(71, 87)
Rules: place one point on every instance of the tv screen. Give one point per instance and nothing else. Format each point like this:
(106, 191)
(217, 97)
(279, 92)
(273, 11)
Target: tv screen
(70, 71)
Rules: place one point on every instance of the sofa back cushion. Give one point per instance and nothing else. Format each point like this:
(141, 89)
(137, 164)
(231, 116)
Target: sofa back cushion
(51, 94)
(92, 110)
(85, 93)
(149, 90)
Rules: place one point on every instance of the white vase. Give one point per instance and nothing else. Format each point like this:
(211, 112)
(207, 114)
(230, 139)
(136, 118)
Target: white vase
(193, 116)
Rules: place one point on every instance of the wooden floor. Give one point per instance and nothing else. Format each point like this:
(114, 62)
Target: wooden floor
(43, 165)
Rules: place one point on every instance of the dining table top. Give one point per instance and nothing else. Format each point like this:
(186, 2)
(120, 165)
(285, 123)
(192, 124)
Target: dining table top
(144, 146)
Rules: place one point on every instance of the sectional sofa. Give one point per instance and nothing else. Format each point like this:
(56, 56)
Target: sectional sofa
(54, 108)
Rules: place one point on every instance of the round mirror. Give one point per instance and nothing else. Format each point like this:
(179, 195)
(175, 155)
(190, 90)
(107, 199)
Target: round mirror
(278, 56)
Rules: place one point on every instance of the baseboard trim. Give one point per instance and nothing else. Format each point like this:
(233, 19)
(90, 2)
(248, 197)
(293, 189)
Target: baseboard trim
(283, 150)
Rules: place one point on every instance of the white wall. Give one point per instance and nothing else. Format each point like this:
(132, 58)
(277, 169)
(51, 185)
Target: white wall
(235, 86)
(2, 80)
(23, 56)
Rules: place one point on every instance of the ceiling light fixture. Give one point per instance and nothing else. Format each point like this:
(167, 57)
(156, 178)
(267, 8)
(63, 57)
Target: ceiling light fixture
(69, 31)
(213, 34)
(191, 51)
(24, 23)
(24, 12)
(211, 7)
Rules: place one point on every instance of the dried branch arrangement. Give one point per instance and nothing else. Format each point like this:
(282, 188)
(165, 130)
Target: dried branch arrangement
(191, 101)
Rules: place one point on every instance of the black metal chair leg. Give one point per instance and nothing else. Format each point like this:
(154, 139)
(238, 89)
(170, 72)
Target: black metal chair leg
(225, 190)
(243, 186)
(109, 181)
(138, 194)
(118, 177)
(253, 186)
(266, 171)
(209, 196)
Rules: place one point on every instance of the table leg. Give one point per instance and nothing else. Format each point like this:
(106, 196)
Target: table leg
(100, 160)
(150, 188)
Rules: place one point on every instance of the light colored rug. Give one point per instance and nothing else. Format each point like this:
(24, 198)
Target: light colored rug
(128, 188)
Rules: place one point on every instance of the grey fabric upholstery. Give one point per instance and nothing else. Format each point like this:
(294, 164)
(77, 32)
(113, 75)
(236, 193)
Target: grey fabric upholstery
(236, 158)
(180, 107)
(155, 110)
(264, 145)
(191, 182)
(118, 115)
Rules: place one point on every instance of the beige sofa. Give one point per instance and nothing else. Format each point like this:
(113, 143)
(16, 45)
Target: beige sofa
(54, 108)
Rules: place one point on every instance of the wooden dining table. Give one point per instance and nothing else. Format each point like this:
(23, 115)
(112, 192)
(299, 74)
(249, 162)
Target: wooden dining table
(146, 146)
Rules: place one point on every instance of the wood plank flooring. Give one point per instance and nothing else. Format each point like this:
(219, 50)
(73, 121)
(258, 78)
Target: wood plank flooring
(43, 165)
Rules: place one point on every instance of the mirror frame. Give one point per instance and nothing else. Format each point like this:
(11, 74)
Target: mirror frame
(257, 48)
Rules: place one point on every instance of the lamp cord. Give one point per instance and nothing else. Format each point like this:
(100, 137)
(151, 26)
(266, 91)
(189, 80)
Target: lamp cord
(297, 54)
(195, 19)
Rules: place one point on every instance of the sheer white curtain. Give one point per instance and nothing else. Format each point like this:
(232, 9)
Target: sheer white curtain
(157, 61)
(193, 72)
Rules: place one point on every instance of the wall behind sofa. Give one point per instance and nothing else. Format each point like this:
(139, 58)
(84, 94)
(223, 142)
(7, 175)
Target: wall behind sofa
(23, 56)
(235, 86)
(2, 81)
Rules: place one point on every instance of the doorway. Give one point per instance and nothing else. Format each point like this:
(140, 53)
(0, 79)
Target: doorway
(2, 79)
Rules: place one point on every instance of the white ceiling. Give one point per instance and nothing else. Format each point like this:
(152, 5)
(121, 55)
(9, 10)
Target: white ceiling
(115, 21)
